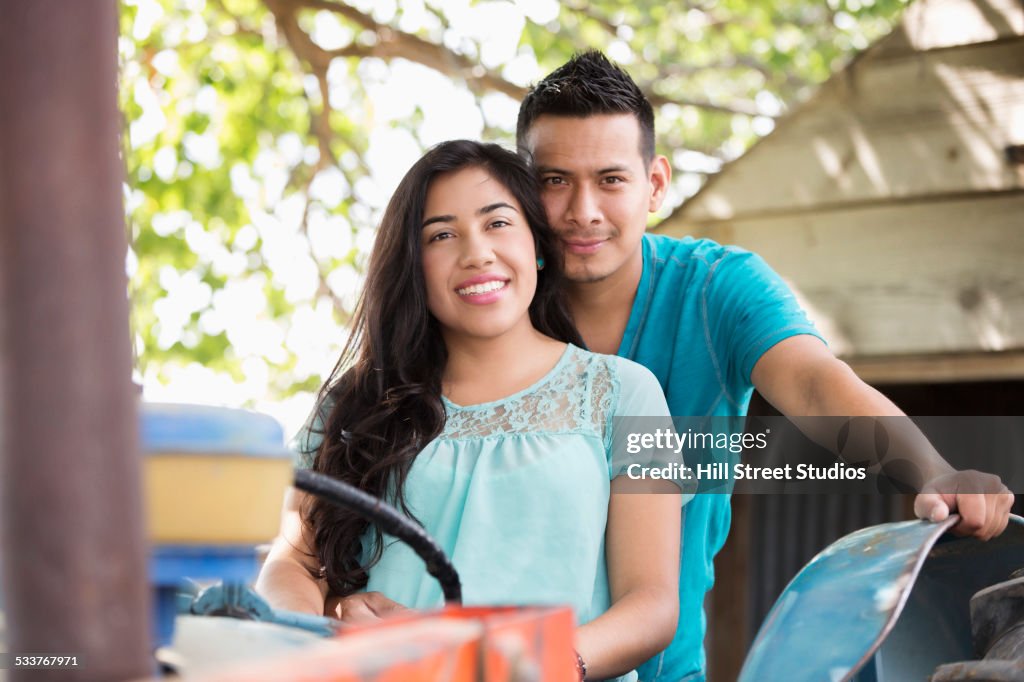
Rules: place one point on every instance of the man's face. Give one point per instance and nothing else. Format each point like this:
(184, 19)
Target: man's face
(596, 190)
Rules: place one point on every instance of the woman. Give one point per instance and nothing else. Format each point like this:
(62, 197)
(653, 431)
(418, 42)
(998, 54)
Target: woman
(464, 397)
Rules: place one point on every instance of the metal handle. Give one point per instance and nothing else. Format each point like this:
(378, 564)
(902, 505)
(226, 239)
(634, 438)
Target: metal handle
(389, 520)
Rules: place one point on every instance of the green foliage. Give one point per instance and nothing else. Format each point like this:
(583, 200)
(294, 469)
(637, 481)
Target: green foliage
(252, 191)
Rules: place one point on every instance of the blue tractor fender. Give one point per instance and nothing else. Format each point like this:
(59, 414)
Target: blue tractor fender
(887, 603)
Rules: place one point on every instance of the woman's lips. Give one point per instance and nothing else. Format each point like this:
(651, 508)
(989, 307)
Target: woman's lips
(483, 293)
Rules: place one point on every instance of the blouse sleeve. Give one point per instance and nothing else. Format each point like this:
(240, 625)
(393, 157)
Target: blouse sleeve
(306, 442)
(640, 413)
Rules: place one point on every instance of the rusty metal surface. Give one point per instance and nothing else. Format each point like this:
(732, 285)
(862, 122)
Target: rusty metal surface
(456, 644)
(980, 671)
(846, 604)
(73, 543)
(997, 615)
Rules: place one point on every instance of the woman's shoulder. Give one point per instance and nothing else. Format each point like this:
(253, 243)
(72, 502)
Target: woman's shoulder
(633, 388)
(621, 369)
(587, 370)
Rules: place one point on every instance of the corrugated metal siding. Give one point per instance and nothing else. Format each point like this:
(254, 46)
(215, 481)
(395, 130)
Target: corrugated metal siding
(788, 530)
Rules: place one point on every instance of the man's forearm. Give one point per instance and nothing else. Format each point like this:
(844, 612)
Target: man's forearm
(805, 382)
(836, 391)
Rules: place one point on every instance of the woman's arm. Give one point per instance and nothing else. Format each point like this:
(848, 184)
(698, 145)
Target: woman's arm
(285, 581)
(642, 549)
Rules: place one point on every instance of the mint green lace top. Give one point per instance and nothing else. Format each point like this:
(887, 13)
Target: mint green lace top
(516, 491)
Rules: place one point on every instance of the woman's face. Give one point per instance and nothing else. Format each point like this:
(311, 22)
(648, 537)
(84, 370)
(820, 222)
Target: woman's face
(479, 258)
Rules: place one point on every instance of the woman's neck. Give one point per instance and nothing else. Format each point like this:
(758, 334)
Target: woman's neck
(483, 370)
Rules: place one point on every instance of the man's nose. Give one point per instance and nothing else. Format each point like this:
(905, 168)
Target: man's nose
(583, 209)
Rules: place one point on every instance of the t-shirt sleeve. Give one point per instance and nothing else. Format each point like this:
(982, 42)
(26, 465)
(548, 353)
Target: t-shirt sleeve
(307, 440)
(749, 310)
(641, 409)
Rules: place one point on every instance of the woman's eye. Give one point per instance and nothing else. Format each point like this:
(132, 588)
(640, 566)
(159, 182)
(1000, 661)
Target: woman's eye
(440, 236)
(500, 223)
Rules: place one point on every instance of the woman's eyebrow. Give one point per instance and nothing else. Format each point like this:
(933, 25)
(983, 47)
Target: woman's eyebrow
(494, 207)
(439, 219)
(480, 211)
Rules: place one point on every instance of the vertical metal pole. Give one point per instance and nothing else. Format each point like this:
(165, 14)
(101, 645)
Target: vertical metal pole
(73, 542)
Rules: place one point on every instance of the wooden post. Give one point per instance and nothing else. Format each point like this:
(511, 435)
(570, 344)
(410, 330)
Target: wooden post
(73, 544)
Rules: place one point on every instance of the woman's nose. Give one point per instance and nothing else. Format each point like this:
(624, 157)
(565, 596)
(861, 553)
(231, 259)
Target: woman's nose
(477, 251)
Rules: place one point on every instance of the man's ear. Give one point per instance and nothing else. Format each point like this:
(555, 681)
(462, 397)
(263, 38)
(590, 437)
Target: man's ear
(660, 175)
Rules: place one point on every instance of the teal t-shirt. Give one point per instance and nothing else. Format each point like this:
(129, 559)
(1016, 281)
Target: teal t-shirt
(516, 491)
(703, 315)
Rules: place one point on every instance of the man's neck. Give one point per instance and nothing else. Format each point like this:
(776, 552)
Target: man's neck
(601, 309)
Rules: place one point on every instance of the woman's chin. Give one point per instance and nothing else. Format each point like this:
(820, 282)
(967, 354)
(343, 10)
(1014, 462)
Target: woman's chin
(490, 329)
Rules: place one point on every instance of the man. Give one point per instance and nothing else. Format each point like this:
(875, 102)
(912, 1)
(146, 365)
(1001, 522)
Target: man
(712, 322)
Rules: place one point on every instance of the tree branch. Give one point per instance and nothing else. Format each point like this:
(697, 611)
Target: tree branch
(738, 107)
(321, 122)
(241, 26)
(587, 11)
(390, 44)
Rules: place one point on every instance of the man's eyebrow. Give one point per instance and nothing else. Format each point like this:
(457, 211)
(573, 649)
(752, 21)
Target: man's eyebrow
(618, 168)
(439, 219)
(494, 207)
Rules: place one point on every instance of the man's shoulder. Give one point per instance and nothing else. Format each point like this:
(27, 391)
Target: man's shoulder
(675, 252)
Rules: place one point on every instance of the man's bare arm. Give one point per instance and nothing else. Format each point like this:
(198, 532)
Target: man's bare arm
(800, 377)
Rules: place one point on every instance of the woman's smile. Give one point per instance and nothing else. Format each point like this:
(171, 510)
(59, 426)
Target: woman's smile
(482, 289)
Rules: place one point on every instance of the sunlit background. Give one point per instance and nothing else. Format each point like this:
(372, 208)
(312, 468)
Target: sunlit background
(262, 140)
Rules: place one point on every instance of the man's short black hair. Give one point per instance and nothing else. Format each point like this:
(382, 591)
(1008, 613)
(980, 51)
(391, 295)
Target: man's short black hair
(588, 85)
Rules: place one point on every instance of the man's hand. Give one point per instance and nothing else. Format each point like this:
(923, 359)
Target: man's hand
(981, 500)
(361, 607)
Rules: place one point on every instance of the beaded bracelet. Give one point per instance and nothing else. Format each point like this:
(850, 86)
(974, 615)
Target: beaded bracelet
(581, 667)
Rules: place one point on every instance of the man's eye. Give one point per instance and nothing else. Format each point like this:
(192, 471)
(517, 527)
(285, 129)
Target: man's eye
(553, 180)
(613, 180)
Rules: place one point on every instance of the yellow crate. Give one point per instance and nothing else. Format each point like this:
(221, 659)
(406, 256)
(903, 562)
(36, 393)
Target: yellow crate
(214, 499)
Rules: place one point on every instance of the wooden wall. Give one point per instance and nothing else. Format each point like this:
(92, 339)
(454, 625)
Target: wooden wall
(889, 200)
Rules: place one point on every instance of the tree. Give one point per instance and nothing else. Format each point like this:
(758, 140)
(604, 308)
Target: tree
(263, 139)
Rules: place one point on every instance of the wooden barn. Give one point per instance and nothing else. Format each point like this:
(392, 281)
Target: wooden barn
(892, 201)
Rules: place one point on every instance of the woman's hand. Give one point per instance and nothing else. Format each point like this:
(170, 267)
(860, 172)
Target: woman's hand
(362, 607)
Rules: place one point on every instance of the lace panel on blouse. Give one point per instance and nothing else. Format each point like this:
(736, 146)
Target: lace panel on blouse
(576, 397)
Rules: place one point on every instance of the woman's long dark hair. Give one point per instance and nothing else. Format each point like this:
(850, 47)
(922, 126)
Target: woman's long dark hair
(382, 403)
